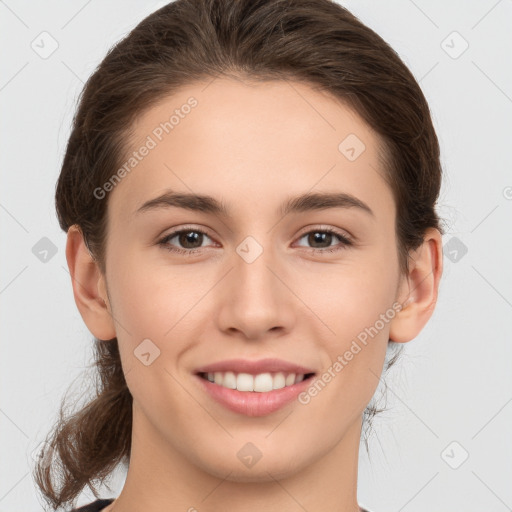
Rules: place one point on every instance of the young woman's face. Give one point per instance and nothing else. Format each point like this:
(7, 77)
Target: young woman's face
(260, 283)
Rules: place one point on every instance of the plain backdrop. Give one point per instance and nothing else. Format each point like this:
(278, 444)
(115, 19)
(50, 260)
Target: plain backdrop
(445, 443)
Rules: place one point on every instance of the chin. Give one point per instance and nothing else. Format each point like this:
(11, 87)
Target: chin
(266, 469)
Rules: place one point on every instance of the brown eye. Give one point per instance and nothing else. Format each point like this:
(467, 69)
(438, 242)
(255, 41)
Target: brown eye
(321, 240)
(188, 240)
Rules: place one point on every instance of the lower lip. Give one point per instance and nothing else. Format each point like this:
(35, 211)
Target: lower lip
(253, 403)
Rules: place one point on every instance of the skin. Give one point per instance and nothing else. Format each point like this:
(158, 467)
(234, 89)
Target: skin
(251, 145)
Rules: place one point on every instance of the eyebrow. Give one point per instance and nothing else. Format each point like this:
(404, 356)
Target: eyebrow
(208, 204)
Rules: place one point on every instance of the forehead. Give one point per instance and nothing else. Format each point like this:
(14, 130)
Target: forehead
(251, 142)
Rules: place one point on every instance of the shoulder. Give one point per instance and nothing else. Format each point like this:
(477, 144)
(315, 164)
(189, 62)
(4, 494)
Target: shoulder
(95, 506)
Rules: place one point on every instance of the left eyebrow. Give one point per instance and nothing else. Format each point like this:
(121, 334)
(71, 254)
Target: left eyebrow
(323, 201)
(298, 204)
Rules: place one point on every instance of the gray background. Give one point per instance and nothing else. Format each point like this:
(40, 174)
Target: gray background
(449, 398)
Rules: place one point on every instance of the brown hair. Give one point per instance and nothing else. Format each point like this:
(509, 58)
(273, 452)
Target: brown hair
(313, 41)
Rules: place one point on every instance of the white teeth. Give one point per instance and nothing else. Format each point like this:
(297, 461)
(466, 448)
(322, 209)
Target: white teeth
(279, 381)
(260, 383)
(244, 382)
(263, 382)
(230, 380)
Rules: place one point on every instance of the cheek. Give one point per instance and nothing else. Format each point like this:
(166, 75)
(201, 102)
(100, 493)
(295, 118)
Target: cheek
(145, 296)
(155, 304)
(159, 302)
(351, 295)
(355, 302)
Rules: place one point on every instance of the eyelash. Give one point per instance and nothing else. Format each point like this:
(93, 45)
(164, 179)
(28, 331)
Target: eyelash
(344, 241)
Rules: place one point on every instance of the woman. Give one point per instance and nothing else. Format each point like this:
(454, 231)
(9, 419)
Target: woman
(249, 196)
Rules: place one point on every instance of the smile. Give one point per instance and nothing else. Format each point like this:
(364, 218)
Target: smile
(260, 383)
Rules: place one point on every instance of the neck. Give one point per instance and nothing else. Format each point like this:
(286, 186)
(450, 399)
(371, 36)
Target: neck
(165, 479)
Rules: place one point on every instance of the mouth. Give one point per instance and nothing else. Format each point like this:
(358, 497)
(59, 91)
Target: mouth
(258, 383)
(254, 387)
(256, 394)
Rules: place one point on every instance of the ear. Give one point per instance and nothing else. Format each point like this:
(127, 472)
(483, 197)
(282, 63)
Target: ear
(418, 290)
(89, 286)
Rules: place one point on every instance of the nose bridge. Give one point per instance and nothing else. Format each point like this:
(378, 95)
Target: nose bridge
(257, 301)
(254, 280)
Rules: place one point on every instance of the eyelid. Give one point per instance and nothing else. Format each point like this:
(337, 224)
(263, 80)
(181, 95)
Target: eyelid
(185, 227)
(326, 227)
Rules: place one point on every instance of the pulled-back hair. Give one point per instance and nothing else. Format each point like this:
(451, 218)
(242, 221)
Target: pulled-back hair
(317, 42)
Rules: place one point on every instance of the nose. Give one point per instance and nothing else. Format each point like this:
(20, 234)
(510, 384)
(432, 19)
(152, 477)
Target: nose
(256, 300)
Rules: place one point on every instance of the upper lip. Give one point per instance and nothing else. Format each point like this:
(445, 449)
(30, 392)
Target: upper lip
(254, 367)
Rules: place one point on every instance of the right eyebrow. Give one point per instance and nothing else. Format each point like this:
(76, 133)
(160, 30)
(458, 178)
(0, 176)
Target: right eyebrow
(188, 201)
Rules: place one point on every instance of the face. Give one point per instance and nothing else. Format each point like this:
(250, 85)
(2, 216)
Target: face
(189, 286)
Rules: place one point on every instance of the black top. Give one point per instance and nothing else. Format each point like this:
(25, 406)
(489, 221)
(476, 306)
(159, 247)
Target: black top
(97, 505)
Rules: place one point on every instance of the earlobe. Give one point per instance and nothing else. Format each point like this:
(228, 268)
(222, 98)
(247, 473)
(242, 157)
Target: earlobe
(419, 289)
(89, 287)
